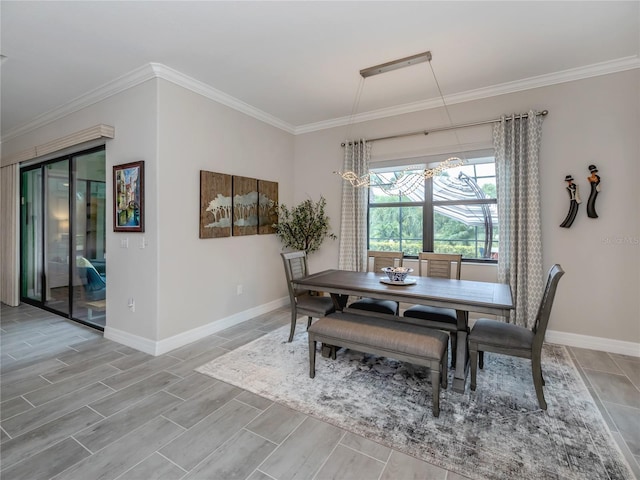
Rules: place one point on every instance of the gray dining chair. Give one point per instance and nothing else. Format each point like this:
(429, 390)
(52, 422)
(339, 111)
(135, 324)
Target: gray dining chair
(509, 339)
(443, 265)
(303, 302)
(379, 260)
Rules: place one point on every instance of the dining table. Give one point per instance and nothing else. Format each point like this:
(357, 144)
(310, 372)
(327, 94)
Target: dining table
(462, 295)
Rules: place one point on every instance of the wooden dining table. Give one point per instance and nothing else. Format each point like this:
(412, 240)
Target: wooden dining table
(462, 295)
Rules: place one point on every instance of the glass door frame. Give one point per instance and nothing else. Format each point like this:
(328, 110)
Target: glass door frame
(43, 234)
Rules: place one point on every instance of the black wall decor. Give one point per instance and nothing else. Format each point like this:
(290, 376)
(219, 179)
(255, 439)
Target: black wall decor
(594, 181)
(574, 202)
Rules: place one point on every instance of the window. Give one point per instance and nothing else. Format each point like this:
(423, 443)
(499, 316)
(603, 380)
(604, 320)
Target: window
(454, 212)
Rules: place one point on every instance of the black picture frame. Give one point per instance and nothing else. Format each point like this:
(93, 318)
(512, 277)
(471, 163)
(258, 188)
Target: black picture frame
(128, 197)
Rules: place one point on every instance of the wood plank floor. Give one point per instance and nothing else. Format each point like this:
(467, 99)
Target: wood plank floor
(77, 406)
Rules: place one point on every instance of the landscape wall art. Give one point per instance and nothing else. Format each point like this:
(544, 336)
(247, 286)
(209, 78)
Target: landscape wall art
(236, 205)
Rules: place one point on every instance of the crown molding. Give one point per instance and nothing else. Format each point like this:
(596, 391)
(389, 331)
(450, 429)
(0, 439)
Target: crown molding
(570, 75)
(149, 71)
(129, 80)
(155, 70)
(196, 86)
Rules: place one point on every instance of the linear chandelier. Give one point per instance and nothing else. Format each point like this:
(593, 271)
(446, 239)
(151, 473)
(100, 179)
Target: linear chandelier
(409, 179)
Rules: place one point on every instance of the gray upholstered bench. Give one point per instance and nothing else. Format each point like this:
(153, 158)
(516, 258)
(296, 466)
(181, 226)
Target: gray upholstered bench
(389, 338)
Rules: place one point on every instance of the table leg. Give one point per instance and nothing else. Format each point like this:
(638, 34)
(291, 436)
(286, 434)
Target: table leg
(462, 362)
(462, 354)
(328, 351)
(339, 301)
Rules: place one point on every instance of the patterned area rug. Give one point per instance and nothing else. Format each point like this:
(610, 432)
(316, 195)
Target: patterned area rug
(496, 432)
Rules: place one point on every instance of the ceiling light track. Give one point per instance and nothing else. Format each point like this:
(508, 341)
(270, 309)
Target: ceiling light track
(396, 64)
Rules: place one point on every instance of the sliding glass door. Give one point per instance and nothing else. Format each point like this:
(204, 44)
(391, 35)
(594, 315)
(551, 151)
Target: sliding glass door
(89, 238)
(63, 254)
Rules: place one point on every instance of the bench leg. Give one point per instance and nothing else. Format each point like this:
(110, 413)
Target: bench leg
(435, 385)
(312, 357)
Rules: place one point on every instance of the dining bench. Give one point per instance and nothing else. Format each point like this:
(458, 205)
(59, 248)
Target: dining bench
(385, 337)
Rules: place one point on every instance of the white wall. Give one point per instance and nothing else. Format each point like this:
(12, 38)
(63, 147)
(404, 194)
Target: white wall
(590, 121)
(182, 285)
(198, 278)
(130, 272)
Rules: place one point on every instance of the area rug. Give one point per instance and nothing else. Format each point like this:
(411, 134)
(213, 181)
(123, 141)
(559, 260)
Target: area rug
(496, 432)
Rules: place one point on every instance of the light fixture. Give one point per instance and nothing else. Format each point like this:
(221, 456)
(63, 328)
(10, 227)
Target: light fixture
(396, 64)
(409, 179)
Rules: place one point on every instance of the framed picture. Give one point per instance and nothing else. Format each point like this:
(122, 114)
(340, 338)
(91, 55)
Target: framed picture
(267, 206)
(245, 206)
(215, 205)
(128, 197)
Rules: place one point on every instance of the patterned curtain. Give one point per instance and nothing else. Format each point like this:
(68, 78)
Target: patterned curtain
(353, 225)
(9, 252)
(517, 143)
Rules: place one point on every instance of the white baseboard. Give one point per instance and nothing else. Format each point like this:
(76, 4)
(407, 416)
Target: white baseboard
(163, 346)
(593, 343)
(134, 341)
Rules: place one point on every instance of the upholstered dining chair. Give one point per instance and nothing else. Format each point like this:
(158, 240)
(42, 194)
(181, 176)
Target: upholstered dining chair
(509, 339)
(443, 265)
(377, 261)
(302, 301)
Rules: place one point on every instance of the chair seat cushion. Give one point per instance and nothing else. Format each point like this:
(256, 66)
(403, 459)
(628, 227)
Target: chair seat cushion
(374, 305)
(435, 314)
(500, 334)
(314, 306)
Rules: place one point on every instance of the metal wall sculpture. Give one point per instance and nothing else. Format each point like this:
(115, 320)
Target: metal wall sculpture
(594, 181)
(574, 202)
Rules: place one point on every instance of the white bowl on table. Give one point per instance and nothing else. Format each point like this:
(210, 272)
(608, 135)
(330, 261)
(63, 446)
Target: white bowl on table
(397, 274)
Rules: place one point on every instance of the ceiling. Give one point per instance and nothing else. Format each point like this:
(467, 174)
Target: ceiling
(299, 62)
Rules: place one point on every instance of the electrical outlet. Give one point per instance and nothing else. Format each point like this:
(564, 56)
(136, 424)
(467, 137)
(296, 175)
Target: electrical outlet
(132, 304)
(239, 289)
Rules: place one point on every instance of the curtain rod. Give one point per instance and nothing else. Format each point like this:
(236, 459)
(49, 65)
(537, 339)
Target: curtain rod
(452, 127)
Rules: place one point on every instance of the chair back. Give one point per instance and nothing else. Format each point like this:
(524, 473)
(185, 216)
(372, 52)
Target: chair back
(439, 265)
(295, 266)
(542, 318)
(383, 259)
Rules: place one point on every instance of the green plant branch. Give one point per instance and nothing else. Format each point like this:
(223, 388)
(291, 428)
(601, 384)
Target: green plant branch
(303, 227)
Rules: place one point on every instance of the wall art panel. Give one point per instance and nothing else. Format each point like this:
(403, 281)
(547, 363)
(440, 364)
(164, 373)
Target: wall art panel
(215, 205)
(245, 206)
(267, 206)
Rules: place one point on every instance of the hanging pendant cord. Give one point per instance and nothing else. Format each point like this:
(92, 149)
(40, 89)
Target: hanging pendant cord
(446, 109)
(354, 109)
